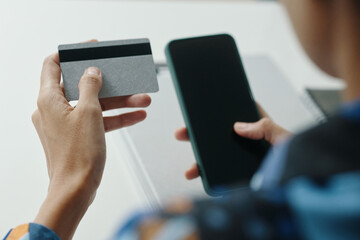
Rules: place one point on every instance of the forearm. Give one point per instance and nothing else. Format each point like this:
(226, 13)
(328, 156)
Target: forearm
(64, 207)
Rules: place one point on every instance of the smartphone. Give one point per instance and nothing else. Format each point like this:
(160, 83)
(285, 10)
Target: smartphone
(214, 93)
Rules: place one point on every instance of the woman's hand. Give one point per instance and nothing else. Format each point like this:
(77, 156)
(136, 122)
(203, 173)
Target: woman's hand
(74, 143)
(263, 129)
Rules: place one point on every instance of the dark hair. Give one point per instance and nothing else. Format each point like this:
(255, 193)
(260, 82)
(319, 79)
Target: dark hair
(357, 5)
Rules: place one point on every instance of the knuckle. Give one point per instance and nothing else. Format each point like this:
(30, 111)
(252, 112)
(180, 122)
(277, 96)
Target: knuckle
(266, 123)
(93, 80)
(43, 100)
(94, 110)
(47, 60)
(35, 117)
(90, 110)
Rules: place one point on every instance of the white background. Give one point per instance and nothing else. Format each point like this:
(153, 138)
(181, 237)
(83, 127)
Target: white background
(31, 30)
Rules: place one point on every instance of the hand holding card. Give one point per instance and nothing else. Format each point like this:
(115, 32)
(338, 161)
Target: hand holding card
(74, 142)
(127, 67)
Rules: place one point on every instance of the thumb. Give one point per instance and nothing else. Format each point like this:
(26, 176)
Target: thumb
(262, 129)
(89, 86)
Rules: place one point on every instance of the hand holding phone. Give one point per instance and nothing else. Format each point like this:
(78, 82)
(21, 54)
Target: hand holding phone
(265, 127)
(213, 92)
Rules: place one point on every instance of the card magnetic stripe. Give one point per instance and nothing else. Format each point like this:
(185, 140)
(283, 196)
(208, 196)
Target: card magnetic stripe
(83, 54)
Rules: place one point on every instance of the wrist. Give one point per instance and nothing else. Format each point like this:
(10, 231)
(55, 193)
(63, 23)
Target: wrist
(79, 184)
(64, 206)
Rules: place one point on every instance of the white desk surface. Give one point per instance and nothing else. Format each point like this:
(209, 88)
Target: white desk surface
(30, 30)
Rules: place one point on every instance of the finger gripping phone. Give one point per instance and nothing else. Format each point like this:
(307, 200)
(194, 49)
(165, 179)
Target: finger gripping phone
(214, 93)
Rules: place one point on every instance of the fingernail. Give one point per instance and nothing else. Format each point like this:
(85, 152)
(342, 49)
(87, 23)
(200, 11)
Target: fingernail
(93, 71)
(241, 125)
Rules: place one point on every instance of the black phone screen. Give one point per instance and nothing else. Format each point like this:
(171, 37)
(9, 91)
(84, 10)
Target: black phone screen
(214, 94)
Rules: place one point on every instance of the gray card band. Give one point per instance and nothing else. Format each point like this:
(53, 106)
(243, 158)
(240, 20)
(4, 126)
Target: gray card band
(127, 67)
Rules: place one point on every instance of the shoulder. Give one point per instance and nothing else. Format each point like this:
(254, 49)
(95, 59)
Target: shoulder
(324, 150)
(318, 152)
(333, 131)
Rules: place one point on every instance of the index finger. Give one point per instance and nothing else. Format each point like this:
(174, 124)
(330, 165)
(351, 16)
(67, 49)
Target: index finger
(51, 72)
